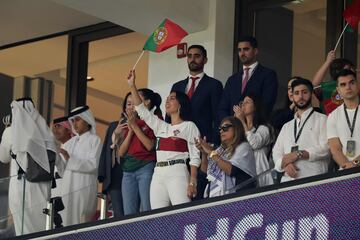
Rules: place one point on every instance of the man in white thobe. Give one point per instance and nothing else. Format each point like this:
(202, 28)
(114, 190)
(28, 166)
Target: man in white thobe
(27, 135)
(82, 153)
(62, 132)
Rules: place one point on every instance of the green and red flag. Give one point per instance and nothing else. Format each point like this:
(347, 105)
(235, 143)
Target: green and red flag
(166, 35)
(331, 98)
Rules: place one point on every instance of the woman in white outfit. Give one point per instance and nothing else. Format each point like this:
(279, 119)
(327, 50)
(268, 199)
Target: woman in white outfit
(171, 183)
(258, 134)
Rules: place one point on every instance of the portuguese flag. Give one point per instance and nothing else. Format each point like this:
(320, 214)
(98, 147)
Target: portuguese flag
(331, 98)
(165, 36)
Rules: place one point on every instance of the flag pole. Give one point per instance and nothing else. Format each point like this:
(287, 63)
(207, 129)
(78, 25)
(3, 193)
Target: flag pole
(338, 41)
(142, 53)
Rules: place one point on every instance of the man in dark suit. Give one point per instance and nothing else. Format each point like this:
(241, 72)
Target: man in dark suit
(253, 79)
(204, 93)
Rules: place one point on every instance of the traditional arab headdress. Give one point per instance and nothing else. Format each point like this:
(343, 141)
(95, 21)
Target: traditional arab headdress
(64, 121)
(31, 134)
(84, 113)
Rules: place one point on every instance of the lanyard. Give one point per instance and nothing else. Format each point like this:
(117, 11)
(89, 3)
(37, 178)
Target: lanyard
(296, 137)
(351, 127)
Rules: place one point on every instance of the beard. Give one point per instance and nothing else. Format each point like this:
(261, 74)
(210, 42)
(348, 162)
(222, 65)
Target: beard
(304, 106)
(195, 67)
(245, 60)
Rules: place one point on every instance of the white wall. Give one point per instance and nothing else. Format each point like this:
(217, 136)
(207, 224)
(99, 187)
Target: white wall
(165, 69)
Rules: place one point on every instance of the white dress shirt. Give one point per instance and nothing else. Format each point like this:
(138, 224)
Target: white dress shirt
(312, 139)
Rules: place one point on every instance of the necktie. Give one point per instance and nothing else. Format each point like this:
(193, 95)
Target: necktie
(245, 80)
(192, 87)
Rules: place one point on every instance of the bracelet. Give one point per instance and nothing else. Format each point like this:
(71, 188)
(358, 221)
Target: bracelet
(193, 183)
(213, 154)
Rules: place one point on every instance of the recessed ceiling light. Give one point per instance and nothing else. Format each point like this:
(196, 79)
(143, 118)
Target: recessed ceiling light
(90, 78)
(297, 1)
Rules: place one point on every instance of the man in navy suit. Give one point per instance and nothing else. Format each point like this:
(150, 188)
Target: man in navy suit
(253, 79)
(205, 94)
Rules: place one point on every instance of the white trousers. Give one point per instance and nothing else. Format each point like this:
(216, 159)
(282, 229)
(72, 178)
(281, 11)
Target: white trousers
(169, 186)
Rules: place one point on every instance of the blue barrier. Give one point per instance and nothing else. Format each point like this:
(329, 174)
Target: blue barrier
(327, 209)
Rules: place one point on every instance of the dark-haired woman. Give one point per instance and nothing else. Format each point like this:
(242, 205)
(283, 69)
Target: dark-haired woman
(171, 183)
(259, 135)
(282, 116)
(137, 150)
(230, 164)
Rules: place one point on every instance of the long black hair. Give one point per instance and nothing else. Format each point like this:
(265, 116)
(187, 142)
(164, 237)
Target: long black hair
(260, 118)
(155, 100)
(185, 106)
(124, 102)
(259, 114)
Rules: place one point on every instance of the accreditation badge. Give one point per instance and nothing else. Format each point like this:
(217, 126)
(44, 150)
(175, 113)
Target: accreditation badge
(294, 148)
(350, 148)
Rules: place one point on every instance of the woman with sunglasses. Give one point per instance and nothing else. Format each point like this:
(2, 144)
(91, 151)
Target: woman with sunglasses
(259, 135)
(171, 184)
(231, 163)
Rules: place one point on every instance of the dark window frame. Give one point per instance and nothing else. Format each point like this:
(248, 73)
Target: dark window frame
(77, 65)
(244, 25)
(77, 57)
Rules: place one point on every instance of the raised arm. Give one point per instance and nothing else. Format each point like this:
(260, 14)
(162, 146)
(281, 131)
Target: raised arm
(134, 92)
(320, 74)
(153, 121)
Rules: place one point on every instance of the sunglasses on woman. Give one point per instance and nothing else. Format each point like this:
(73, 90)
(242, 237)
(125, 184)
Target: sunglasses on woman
(225, 127)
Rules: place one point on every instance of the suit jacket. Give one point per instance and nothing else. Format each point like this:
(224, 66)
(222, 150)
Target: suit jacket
(105, 171)
(204, 105)
(263, 83)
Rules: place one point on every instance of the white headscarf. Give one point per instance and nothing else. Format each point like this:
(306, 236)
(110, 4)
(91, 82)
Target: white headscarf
(85, 114)
(30, 134)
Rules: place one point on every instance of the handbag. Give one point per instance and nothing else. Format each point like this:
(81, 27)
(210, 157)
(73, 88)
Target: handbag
(35, 173)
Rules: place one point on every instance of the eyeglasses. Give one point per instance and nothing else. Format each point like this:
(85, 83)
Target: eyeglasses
(225, 127)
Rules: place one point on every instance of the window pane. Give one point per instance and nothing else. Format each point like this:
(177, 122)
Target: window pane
(110, 60)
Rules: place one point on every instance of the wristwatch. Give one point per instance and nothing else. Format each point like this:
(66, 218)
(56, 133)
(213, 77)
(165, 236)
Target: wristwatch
(356, 162)
(213, 154)
(299, 154)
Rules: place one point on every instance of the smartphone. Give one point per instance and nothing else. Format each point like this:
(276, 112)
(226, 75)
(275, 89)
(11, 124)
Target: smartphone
(123, 119)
